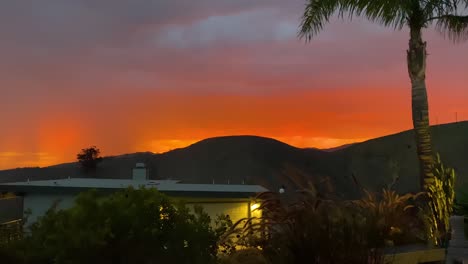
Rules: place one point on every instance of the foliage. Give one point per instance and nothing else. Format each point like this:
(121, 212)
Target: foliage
(440, 206)
(416, 15)
(131, 226)
(396, 14)
(11, 231)
(245, 256)
(394, 216)
(226, 247)
(10, 234)
(89, 158)
(309, 228)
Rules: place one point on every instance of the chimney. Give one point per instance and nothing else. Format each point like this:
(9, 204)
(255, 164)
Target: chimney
(140, 172)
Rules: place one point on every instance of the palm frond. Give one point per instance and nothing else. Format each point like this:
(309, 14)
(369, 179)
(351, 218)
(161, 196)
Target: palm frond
(453, 26)
(392, 13)
(316, 14)
(440, 7)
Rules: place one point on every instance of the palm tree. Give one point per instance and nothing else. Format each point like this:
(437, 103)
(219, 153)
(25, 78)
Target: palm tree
(417, 15)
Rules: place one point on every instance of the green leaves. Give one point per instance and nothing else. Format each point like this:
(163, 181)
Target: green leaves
(440, 204)
(131, 226)
(390, 13)
(453, 26)
(318, 12)
(306, 226)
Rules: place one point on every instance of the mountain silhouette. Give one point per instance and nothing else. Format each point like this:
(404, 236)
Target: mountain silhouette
(248, 159)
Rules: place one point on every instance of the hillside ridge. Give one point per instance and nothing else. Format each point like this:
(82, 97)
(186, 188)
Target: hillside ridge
(259, 160)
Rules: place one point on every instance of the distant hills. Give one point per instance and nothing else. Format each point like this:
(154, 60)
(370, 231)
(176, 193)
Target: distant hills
(271, 163)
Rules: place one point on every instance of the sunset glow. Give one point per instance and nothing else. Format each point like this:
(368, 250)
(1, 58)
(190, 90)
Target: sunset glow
(155, 77)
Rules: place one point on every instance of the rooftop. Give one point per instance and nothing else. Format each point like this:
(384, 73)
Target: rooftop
(167, 186)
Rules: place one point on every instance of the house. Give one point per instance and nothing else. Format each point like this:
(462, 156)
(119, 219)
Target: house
(231, 199)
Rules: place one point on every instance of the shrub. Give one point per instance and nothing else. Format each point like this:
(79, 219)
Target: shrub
(318, 230)
(439, 203)
(131, 226)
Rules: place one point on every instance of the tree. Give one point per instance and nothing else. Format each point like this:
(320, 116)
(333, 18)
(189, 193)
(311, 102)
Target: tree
(130, 226)
(89, 158)
(416, 15)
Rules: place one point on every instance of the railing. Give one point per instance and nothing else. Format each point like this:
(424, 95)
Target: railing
(11, 208)
(11, 231)
(11, 214)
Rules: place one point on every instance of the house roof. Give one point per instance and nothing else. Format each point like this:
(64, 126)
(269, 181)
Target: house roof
(170, 187)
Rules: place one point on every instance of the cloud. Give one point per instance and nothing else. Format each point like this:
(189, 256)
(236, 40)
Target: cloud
(71, 24)
(123, 74)
(244, 28)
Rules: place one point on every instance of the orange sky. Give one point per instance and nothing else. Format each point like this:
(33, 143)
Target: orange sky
(143, 77)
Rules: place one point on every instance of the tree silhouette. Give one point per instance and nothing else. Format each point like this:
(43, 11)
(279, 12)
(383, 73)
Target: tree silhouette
(89, 158)
(450, 17)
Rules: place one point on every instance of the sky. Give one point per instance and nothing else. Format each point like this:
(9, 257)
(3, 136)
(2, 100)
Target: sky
(154, 75)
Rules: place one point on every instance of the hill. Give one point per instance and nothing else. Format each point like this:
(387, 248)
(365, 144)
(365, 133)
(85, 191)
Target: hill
(377, 161)
(271, 163)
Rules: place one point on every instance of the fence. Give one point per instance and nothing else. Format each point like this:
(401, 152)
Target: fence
(11, 214)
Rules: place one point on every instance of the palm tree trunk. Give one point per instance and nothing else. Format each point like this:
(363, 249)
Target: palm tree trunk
(416, 56)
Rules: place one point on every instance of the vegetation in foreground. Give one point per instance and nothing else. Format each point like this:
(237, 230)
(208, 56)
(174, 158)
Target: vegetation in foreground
(144, 226)
(310, 227)
(131, 226)
(449, 17)
(326, 230)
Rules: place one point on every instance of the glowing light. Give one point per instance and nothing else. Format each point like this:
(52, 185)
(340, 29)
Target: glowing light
(254, 206)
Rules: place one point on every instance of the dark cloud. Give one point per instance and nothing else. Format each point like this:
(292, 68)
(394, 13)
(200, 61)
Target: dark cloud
(50, 42)
(91, 63)
(53, 24)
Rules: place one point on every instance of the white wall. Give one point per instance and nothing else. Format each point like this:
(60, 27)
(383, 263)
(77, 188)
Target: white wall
(40, 203)
(235, 211)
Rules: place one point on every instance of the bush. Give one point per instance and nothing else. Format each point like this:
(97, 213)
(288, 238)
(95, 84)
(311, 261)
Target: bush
(245, 256)
(439, 204)
(131, 226)
(318, 230)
